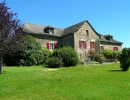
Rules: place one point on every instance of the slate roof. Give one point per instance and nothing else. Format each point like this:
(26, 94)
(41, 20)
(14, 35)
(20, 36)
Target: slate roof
(58, 32)
(102, 38)
(76, 27)
(72, 29)
(39, 29)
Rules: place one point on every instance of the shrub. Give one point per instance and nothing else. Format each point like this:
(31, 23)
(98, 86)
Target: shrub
(37, 57)
(110, 54)
(54, 62)
(68, 55)
(99, 58)
(30, 54)
(94, 55)
(125, 59)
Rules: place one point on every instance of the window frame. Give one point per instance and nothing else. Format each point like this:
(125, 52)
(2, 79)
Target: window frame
(115, 48)
(82, 44)
(93, 45)
(101, 47)
(87, 32)
(50, 31)
(51, 45)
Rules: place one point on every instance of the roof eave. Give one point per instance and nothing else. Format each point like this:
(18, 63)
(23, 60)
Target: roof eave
(44, 34)
(111, 42)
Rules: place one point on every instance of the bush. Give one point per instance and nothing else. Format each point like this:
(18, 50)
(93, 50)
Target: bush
(68, 55)
(37, 57)
(54, 62)
(99, 58)
(94, 55)
(125, 59)
(110, 54)
(30, 54)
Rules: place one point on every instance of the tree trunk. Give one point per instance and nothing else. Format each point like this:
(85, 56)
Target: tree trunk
(0, 65)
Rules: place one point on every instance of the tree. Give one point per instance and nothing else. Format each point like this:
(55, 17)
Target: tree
(31, 53)
(125, 59)
(98, 46)
(9, 31)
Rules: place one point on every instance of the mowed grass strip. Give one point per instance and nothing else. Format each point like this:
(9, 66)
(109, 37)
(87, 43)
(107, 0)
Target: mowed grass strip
(95, 82)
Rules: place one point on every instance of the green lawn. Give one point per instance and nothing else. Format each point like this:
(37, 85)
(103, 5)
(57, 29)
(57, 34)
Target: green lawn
(97, 82)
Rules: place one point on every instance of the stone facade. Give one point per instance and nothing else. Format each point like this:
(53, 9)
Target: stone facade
(110, 46)
(82, 37)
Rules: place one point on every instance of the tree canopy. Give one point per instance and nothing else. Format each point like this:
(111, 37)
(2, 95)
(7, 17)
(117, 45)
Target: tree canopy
(9, 30)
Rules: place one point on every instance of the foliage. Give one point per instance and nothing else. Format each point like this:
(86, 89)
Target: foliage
(111, 54)
(54, 62)
(30, 54)
(68, 55)
(9, 26)
(125, 59)
(98, 46)
(94, 55)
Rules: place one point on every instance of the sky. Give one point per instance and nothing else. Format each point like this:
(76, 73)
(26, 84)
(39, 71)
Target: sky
(106, 16)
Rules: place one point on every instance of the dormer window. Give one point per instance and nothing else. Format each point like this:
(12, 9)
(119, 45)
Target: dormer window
(49, 29)
(108, 37)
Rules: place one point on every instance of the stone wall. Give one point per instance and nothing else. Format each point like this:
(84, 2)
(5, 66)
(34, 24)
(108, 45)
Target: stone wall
(110, 45)
(67, 40)
(81, 35)
(44, 39)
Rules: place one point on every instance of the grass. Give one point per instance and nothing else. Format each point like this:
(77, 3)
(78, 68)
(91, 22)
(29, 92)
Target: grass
(95, 82)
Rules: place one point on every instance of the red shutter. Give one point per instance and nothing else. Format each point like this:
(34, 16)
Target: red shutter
(48, 45)
(102, 47)
(80, 44)
(116, 48)
(113, 48)
(85, 44)
(55, 45)
(90, 45)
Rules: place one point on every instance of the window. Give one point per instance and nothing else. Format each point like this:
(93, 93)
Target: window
(87, 32)
(92, 45)
(115, 48)
(50, 31)
(51, 46)
(101, 48)
(82, 44)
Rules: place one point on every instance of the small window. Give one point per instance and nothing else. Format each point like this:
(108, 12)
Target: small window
(87, 32)
(51, 46)
(101, 48)
(115, 48)
(82, 44)
(93, 45)
(50, 31)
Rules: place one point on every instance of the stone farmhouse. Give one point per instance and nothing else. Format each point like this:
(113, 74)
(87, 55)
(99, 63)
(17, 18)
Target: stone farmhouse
(81, 36)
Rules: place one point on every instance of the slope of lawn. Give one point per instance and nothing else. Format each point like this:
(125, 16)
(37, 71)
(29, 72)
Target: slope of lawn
(95, 82)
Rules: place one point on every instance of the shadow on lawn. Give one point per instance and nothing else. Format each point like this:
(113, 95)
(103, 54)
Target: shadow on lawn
(116, 70)
(4, 72)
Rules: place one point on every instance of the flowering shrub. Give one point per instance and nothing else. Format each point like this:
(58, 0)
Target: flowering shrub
(94, 55)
